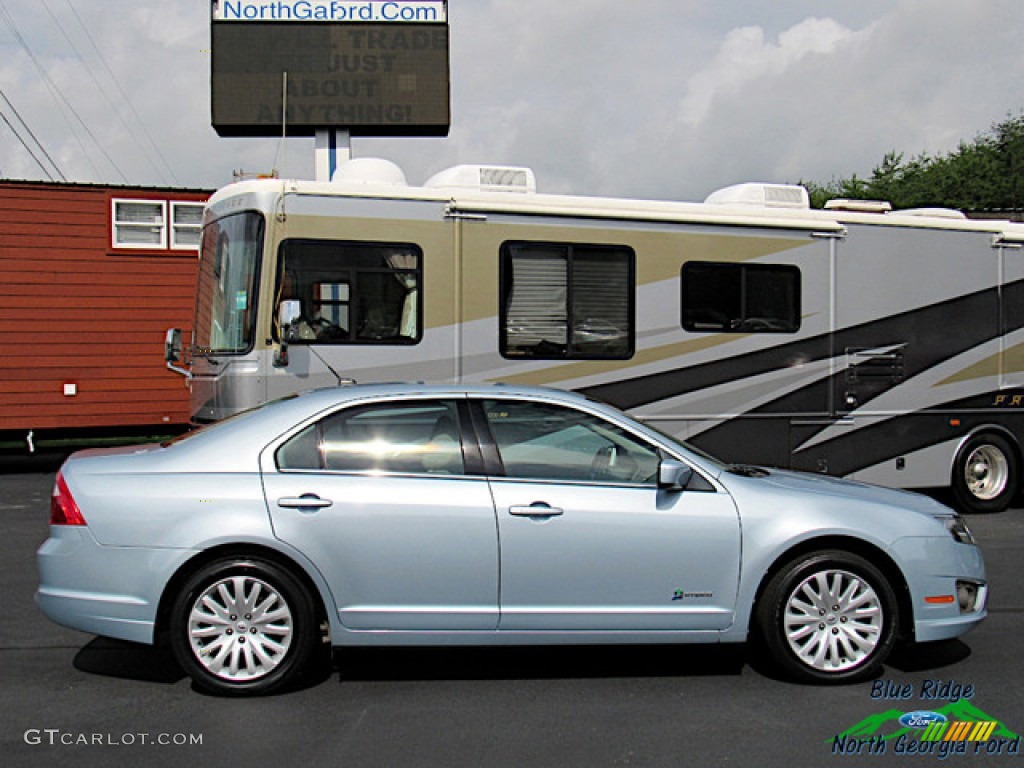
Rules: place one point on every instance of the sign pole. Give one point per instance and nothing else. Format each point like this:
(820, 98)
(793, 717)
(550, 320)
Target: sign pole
(333, 149)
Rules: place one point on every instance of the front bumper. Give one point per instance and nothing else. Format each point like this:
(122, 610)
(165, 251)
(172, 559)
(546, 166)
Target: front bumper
(935, 567)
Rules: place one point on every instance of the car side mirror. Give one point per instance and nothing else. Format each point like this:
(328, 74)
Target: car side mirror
(673, 475)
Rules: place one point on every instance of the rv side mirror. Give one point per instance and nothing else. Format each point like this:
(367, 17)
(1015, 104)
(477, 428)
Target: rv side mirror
(673, 475)
(172, 345)
(288, 313)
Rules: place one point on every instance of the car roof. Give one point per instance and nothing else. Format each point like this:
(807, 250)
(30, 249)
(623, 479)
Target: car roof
(351, 392)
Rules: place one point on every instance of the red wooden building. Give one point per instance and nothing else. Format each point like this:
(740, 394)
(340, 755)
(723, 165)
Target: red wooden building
(91, 277)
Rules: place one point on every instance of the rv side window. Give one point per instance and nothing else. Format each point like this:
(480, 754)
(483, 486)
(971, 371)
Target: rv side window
(351, 293)
(740, 298)
(567, 301)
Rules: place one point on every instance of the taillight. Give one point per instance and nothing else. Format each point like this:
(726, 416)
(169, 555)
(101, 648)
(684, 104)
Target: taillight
(63, 509)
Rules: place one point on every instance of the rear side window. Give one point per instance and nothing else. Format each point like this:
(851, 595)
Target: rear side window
(567, 301)
(420, 437)
(740, 298)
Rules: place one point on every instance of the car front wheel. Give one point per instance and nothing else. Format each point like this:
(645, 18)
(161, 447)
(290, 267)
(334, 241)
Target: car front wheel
(828, 617)
(242, 627)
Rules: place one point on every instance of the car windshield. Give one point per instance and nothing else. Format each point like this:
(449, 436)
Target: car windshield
(228, 275)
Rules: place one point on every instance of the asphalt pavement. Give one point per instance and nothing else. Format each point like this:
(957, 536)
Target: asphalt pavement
(84, 701)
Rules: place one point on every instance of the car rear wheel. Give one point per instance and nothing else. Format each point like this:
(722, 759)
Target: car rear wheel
(828, 617)
(242, 627)
(985, 475)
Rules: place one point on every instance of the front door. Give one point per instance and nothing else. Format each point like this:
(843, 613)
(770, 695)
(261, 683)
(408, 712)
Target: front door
(588, 540)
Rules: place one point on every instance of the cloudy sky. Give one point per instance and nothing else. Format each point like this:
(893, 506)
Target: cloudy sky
(648, 98)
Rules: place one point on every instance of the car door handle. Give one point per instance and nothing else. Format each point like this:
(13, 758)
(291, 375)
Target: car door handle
(305, 501)
(537, 509)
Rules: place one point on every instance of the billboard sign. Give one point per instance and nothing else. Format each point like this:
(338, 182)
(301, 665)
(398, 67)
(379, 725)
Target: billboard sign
(372, 68)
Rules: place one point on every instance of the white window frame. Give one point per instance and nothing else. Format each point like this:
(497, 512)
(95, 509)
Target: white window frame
(117, 224)
(175, 227)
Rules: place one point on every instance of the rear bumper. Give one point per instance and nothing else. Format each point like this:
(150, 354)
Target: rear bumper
(107, 591)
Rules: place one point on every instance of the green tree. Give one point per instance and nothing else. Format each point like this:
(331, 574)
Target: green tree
(983, 174)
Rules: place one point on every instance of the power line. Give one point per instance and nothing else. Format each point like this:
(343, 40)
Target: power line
(128, 101)
(38, 143)
(28, 149)
(125, 99)
(56, 92)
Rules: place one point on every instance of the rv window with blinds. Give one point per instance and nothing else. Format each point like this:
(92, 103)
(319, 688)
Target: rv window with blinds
(350, 292)
(740, 298)
(567, 301)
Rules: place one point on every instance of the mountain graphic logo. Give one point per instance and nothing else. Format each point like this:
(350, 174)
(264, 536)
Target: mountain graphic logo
(887, 725)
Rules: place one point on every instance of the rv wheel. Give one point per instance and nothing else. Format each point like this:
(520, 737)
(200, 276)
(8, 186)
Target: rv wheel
(985, 474)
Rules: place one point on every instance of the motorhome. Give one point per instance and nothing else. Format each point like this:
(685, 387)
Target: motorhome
(855, 341)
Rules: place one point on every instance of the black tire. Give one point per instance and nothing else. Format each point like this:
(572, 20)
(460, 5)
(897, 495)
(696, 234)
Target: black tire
(985, 476)
(839, 640)
(243, 626)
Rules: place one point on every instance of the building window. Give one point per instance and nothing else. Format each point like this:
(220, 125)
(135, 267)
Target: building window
(351, 292)
(740, 298)
(567, 301)
(186, 226)
(140, 224)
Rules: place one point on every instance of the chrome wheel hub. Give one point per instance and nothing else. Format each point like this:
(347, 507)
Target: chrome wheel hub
(986, 472)
(833, 621)
(240, 628)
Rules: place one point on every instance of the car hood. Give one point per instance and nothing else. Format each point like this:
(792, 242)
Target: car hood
(848, 490)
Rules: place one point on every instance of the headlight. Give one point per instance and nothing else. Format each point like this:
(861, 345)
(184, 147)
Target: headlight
(958, 530)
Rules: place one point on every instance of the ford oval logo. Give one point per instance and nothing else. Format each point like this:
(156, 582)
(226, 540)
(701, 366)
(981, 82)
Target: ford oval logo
(921, 719)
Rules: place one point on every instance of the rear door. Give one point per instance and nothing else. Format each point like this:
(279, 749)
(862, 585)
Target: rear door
(380, 497)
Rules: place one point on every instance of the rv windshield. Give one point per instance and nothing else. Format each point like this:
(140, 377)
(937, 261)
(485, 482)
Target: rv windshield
(229, 265)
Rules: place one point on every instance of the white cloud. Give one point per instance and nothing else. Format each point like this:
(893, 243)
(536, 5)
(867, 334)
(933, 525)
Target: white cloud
(746, 57)
(822, 101)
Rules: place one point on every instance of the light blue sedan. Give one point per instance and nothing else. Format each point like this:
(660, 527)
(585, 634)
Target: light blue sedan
(419, 515)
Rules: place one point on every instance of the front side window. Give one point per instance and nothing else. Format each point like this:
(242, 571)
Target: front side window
(740, 298)
(420, 437)
(228, 270)
(567, 301)
(351, 292)
(537, 441)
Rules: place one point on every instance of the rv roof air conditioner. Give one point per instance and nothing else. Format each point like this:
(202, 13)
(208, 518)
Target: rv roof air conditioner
(858, 206)
(369, 171)
(762, 195)
(933, 213)
(485, 178)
